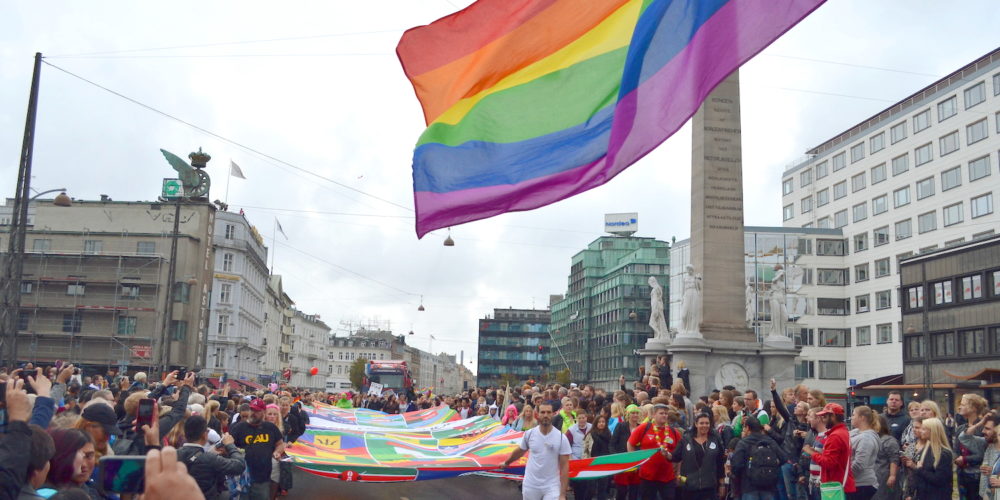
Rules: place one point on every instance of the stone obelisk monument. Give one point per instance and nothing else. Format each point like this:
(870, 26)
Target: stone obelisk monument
(718, 347)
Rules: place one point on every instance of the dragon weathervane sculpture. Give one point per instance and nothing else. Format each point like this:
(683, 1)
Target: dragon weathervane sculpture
(196, 181)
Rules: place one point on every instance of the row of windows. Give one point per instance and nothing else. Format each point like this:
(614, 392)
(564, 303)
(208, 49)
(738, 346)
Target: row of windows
(951, 291)
(979, 206)
(962, 343)
(841, 337)
(124, 325)
(93, 246)
(832, 370)
(351, 356)
(946, 108)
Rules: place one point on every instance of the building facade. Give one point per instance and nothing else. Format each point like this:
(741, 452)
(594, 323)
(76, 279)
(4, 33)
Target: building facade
(278, 315)
(514, 342)
(951, 322)
(95, 284)
(801, 260)
(603, 317)
(308, 344)
(343, 351)
(919, 176)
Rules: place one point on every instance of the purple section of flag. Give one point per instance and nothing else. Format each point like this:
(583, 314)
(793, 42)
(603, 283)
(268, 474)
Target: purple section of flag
(644, 118)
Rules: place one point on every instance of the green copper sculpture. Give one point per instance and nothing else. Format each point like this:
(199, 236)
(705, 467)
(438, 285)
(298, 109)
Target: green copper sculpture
(196, 181)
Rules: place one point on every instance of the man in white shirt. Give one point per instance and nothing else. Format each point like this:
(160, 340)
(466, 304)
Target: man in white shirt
(546, 474)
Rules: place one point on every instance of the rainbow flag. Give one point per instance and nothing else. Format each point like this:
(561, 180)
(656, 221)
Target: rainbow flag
(528, 102)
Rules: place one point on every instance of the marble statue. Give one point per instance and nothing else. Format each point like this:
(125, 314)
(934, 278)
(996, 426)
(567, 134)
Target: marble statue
(750, 296)
(691, 304)
(779, 312)
(657, 320)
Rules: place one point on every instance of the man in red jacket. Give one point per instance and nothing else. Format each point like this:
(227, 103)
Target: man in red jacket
(833, 460)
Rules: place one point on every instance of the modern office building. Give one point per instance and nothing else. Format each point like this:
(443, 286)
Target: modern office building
(95, 284)
(604, 316)
(804, 261)
(951, 322)
(515, 342)
(916, 177)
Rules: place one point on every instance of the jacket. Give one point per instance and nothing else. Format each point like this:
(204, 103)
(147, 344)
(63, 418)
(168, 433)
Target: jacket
(132, 443)
(833, 459)
(930, 482)
(898, 423)
(561, 423)
(972, 447)
(208, 469)
(741, 458)
(791, 444)
(596, 444)
(15, 451)
(706, 472)
(619, 438)
(865, 447)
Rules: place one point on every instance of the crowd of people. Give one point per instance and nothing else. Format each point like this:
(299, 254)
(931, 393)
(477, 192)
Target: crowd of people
(731, 444)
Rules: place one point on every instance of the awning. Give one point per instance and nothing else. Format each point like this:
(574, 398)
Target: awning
(252, 385)
(987, 374)
(880, 381)
(232, 384)
(912, 386)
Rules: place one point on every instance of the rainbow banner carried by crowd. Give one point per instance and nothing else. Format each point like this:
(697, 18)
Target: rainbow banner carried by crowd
(528, 102)
(365, 445)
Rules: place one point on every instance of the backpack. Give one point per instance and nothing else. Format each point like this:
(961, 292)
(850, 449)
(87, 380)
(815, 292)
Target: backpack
(764, 467)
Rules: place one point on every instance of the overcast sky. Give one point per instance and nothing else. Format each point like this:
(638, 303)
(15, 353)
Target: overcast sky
(318, 85)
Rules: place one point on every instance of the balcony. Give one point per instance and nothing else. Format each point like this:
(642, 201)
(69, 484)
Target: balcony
(286, 330)
(285, 349)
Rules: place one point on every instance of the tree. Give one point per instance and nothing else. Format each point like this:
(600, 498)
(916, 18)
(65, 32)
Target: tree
(509, 379)
(357, 372)
(563, 377)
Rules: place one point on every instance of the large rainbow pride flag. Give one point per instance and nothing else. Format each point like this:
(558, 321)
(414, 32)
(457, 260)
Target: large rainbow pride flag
(370, 446)
(528, 102)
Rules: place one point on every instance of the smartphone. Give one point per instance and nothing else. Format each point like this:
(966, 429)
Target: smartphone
(24, 374)
(182, 373)
(122, 474)
(145, 414)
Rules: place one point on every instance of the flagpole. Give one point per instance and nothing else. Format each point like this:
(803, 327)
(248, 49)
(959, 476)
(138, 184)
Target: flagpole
(228, 179)
(274, 242)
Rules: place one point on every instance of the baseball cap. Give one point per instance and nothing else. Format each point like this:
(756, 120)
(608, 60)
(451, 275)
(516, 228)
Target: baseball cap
(661, 406)
(104, 415)
(831, 408)
(258, 405)
(572, 384)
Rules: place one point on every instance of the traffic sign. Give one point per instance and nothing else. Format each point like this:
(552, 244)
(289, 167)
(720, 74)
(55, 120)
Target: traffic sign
(172, 188)
(853, 382)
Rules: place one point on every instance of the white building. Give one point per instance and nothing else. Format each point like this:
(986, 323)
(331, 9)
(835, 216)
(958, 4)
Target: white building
(236, 345)
(342, 351)
(308, 343)
(919, 175)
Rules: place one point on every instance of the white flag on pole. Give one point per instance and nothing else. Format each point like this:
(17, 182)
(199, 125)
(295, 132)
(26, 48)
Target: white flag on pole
(235, 170)
(281, 230)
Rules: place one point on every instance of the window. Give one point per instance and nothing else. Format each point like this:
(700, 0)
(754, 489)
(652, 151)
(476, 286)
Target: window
(145, 247)
(840, 219)
(880, 204)
(822, 197)
(863, 335)
(76, 289)
(925, 188)
(27, 287)
(222, 328)
(944, 344)
(860, 211)
(831, 277)
(861, 305)
(72, 322)
(951, 178)
(996, 283)
(901, 197)
(975, 94)
(786, 186)
(230, 231)
(130, 291)
(973, 341)
(831, 247)
(921, 120)
(972, 287)
(927, 222)
(915, 348)
(178, 330)
(834, 370)
(951, 243)
(41, 245)
(182, 292)
(833, 337)
(976, 131)
(226, 293)
(839, 161)
(900, 164)
(840, 190)
(942, 293)
(833, 307)
(804, 369)
(806, 205)
(878, 173)
(806, 178)
(979, 168)
(861, 272)
(877, 142)
(227, 262)
(788, 211)
(915, 296)
(904, 229)
(23, 317)
(952, 214)
(947, 108)
(923, 154)
(858, 182)
(126, 325)
(982, 205)
(882, 268)
(946, 144)
(883, 333)
(996, 84)
(983, 235)
(860, 242)
(857, 152)
(881, 235)
(824, 223)
(93, 246)
(883, 299)
(897, 132)
(822, 170)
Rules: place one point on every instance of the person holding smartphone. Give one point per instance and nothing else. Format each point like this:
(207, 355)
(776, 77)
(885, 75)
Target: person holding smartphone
(209, 468)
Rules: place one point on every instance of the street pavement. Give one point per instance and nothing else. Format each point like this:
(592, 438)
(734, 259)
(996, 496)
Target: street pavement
(309, 486)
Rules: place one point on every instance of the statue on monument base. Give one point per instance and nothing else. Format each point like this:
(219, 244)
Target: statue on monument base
(657, 320)
(779, 312)
(691, 305)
